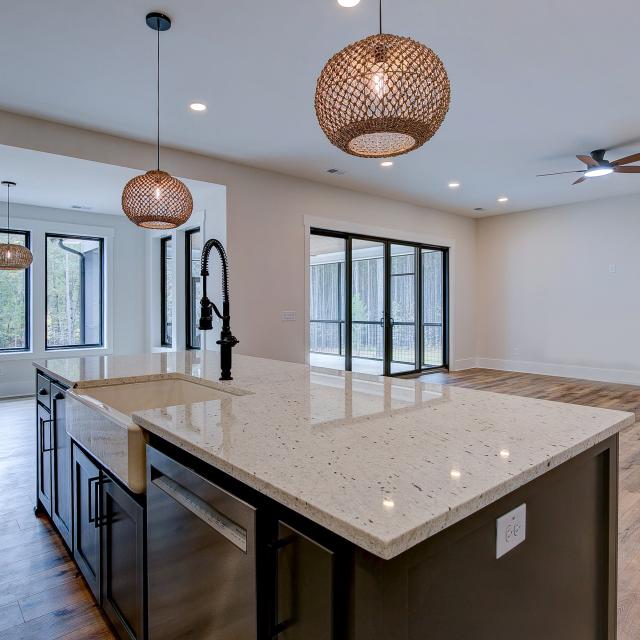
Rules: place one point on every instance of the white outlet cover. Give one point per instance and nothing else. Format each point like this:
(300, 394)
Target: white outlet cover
(511, 530)
(289, 316)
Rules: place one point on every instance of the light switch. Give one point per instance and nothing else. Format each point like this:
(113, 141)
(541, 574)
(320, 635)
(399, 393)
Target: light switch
(288, 316)
(511, 530)
(612, 268)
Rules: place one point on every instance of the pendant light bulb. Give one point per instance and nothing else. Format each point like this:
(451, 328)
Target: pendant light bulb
(157, 200)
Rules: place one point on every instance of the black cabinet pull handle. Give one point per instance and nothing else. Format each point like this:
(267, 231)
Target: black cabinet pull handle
(92, 517)
(101, 519)
(44, 449)
(43, 392)
(59, 396)
(277, 627)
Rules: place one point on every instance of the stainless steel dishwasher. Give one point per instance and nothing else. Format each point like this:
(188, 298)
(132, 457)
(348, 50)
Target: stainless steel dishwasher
(200, 556)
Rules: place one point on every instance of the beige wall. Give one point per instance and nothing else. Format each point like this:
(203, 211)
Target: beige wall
(559, 290)
(266, 233)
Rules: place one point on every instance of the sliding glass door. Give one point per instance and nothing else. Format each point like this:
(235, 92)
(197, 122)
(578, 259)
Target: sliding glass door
(376, 306)
(367, 306)
(402, 312)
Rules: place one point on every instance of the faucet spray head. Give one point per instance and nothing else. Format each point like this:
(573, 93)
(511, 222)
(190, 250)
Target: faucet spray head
(206, 315)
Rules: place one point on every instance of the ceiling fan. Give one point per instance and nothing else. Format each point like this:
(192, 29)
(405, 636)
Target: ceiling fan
(597, 166)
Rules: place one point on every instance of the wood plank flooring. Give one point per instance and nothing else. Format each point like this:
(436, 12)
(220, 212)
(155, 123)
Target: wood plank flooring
(42, 595)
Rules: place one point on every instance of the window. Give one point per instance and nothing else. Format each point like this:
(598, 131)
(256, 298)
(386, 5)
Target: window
(166, 291)
(14, 300)
(74, 291)
(193, 248)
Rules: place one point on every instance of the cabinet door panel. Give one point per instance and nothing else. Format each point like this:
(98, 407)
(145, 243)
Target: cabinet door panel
(122, 522)
(44, 457)
(304, 587)
(86, 534)
(61, 467)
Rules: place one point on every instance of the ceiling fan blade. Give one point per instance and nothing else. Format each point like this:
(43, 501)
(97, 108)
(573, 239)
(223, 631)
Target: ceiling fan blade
(588, 160)
(579, 180)
(626, 169)
(559, 173)
(627, 160)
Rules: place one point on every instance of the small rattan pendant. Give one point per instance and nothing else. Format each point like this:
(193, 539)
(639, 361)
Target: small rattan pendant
(13, 257)
(157, 200)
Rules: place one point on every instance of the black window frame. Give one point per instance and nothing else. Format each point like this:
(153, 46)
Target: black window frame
(27, 292)
(190, 305)
(65, 236)
(164, 241)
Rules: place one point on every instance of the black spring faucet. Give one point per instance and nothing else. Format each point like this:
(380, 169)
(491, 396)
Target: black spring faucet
(227, 339)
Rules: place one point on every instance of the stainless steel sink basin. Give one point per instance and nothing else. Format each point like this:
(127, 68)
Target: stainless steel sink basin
(99, 418)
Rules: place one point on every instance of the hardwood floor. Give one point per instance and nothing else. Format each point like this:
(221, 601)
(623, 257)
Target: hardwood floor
(42, 595)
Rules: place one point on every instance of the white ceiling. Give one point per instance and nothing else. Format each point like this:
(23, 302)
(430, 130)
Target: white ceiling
(48, 180)
(534, 82)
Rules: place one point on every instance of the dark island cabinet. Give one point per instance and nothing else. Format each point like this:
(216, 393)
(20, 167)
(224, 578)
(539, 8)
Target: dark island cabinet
(61, 493)
(86, 530)
(108, 526)
(44, 435)
(304, 579)
(121, 519)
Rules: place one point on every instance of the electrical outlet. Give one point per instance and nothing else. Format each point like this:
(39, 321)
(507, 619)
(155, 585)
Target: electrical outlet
(288, 316)
(511, 530)
(612, 268)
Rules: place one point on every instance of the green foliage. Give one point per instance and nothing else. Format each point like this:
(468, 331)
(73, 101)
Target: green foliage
(12, 303)
(359, 310)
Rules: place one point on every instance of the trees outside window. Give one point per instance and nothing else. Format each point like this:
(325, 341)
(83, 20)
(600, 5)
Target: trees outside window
(74, 291)
(14, 300)
(166, 291)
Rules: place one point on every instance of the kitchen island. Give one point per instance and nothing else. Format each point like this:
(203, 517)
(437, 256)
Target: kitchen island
(367, 506)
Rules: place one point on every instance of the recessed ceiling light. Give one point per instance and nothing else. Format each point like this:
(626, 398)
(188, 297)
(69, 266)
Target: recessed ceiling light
(198, 106)
(348, 3)
(504, 453)
(386, 163)
(388, 503)
(454, 185)
(455, 474)
(503, 199)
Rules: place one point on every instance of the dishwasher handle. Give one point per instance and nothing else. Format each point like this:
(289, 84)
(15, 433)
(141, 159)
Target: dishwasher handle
(202, 510)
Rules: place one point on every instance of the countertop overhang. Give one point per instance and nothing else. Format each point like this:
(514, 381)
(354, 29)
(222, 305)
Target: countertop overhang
(383, 462)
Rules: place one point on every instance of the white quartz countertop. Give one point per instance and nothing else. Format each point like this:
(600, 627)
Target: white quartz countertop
(383, 462)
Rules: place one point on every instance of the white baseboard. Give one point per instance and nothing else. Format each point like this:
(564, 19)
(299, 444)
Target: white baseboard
(623, 376)
(464, 363)
(16, 389)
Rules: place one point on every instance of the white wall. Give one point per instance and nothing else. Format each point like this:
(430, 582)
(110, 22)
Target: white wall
(125, 330)
(550, 301)
(266, 232)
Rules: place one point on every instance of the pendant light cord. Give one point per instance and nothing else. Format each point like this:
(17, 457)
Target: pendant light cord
(8, 216)
(380, 16)
(158, 99)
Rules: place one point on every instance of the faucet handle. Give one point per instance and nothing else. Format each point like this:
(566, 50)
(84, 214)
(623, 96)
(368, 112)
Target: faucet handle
(229, 341)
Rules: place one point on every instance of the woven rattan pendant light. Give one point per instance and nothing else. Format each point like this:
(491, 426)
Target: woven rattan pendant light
(13, 257)
(157, 200)
(382, 96)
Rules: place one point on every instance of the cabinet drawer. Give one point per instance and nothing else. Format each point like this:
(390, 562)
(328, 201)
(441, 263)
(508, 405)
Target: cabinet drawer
(43, 390)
